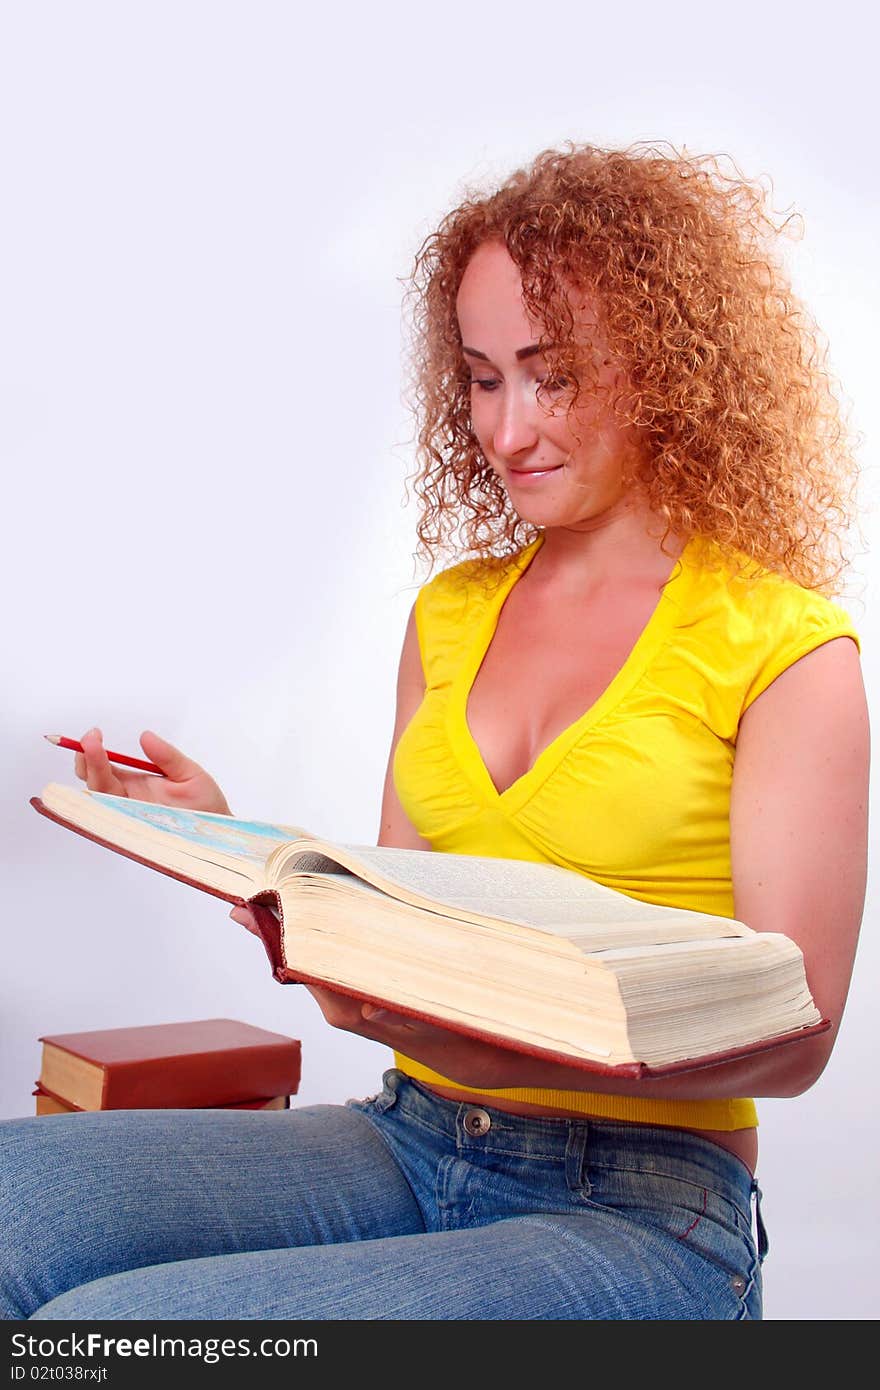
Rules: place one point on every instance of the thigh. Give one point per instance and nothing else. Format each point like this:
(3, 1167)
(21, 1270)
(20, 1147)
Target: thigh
(83, 1196)
(553, 1268)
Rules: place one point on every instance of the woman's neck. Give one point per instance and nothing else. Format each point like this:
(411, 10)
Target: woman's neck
(604, 557)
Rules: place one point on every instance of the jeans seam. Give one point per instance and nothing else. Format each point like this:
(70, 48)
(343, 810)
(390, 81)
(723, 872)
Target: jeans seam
(377, 1129)
(526, 1156)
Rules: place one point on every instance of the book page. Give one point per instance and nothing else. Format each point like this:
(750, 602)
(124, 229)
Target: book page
(545, 897)
(209, 830)
(214, 850)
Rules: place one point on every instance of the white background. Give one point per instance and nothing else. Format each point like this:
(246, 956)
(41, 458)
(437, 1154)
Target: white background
(207, 212)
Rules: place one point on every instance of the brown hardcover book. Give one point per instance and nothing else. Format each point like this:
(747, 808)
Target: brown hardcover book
(529, 956)
(47, 1104)
(202, 1063)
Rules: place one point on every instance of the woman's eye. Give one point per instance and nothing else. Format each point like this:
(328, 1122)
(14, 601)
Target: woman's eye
(484, 383)
(554, 383)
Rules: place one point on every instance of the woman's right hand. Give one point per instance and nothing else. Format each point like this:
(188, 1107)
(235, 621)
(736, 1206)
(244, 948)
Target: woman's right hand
(185, 783)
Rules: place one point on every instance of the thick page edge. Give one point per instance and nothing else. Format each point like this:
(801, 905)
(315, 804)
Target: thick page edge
(41, 1090)
(734, 1054)
(629, 1070)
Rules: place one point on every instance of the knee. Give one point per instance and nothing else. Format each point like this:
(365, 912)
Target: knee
(50, 1188)
(27, 1182)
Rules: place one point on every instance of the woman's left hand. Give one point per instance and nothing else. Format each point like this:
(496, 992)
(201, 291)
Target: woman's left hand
(477, 1066)
(460, 1059)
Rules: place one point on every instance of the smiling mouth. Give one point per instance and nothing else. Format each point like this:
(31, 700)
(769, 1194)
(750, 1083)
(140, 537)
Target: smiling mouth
(534, 472)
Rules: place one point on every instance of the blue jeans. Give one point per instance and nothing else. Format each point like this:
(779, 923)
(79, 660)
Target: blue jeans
(403, 1206)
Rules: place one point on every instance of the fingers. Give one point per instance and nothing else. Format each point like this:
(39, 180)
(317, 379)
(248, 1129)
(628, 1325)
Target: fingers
(94, 767)
(176, 765)
(339, 1010)
(354, 1016)
(245, 918)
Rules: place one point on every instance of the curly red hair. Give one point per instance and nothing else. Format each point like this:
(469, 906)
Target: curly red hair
(745, 435)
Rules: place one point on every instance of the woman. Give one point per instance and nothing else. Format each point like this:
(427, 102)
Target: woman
(638, 672)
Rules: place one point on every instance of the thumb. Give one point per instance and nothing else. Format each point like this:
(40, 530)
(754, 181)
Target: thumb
(245, 918)
(176, 765)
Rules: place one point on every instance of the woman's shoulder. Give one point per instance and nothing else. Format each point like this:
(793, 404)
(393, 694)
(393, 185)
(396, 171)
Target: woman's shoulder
(748, 623)
(460, 577)
(468, 582)
(741, 587)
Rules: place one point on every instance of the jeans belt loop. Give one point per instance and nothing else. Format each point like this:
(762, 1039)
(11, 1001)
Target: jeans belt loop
(576, 1159)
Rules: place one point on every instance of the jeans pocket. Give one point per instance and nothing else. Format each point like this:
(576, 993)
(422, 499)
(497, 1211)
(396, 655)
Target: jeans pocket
(695, 1217)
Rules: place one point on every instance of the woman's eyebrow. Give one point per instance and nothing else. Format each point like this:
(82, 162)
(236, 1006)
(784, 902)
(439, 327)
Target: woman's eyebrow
(521, 353)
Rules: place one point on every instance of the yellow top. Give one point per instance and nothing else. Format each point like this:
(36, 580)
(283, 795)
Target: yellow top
(636, 792)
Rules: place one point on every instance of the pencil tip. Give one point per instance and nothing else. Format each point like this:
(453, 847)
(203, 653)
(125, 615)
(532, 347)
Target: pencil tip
(52, 738)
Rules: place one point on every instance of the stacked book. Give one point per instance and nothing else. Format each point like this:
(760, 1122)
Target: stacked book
(209, 1063)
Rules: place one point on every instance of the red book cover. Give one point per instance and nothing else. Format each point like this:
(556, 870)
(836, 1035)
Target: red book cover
(200, 1063)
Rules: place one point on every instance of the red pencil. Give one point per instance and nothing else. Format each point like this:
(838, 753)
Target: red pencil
(121, 758)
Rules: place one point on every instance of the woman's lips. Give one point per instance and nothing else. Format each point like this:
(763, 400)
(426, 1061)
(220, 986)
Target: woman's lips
(525, 475)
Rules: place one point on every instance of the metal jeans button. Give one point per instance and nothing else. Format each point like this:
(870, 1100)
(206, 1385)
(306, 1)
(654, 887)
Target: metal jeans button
(477, 1122)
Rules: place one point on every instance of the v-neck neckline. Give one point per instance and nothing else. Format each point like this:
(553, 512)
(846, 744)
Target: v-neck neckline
(650, 639)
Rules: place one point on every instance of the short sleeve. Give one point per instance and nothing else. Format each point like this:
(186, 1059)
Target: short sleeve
(444, 608)
(795, 621)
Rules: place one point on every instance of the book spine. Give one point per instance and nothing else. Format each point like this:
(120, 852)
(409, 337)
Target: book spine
(270, 927)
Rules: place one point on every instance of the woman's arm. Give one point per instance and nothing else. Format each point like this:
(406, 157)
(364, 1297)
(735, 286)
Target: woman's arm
(798, 826)
(799, 831)
(395, 827)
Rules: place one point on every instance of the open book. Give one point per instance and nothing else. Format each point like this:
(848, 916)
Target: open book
(531, 956)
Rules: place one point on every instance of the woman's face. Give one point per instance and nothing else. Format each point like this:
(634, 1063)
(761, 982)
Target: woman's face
(559, 469)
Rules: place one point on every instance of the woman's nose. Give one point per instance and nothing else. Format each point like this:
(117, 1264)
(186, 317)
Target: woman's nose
(515, 424)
